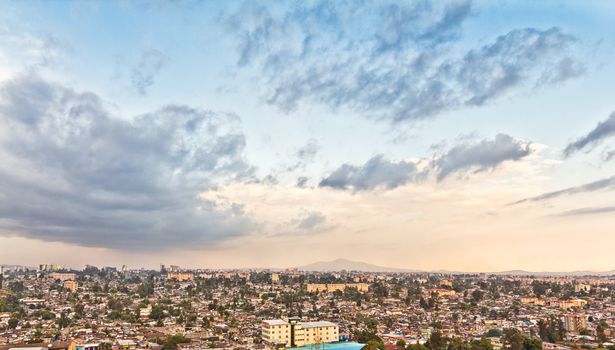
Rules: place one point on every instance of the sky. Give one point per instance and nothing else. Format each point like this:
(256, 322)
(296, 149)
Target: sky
(460, 135)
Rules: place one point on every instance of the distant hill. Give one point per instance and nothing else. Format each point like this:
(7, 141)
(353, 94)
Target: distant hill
(348, 265)
(555, 274)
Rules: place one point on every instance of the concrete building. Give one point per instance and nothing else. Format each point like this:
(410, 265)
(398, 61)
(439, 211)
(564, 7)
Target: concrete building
(50, 267)
(71, 285)
(181, 276)
(574, 323)
(63, 276)
(292, 332)
(578, 303)
(581, 287)
(441, 292)
(312, 287)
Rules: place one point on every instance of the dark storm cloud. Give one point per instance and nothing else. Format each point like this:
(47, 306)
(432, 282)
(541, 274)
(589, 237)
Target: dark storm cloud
(149, 65)
(391, 59)
(480, 156)
(72, 172)
(600, 185)
(602, 131)
(377, 172)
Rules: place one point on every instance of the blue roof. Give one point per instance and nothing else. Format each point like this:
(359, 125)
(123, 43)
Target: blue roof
(340, 345)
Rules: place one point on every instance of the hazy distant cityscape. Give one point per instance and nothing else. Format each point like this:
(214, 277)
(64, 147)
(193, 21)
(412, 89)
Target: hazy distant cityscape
(53, 307)
(307, 174)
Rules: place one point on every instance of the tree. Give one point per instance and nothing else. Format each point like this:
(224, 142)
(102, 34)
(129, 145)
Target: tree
(373, 345)
(416, 346)
(13, 322)
(477, 295)
(494, 333)
(551, 330)
(515, 340)
(437, 341)
(401, 343)
(482, 344)
(600, 332)
(171, 341)
(512, 340)
(157, 312)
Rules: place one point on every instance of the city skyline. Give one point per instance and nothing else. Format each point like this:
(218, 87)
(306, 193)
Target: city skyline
(460, 135)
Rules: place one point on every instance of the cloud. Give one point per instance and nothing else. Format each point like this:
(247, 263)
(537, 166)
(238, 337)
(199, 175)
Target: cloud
(600, 185)
(305, 155)
(602, 131)
(567, 68)
(72, 172)
(311, 221)
(302, 181)
(143, 73)
(587, 211)
(480, 156)
(381, 173)
(391, 60)
(376, 173)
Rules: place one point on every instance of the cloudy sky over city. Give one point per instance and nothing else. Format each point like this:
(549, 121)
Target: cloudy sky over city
(459, 135)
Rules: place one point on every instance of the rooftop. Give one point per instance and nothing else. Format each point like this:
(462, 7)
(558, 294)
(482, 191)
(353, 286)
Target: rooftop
(318, 324)
(342, 345)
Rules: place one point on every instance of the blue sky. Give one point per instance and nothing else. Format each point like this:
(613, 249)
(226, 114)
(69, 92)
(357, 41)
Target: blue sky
(226, 129)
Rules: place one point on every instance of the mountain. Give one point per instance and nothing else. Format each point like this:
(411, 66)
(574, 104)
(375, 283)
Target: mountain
(555, 274)
(348, 265)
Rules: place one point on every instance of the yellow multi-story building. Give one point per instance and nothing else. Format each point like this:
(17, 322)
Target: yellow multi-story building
(63, 276)
(578, 303)
(441, 292)
(332, 287)
(181, 276)
(275, 277)
(292, 332)
(71, 285)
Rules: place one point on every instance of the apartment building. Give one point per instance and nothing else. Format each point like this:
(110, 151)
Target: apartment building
(574, 323)
(321, 287)
(578, 303)
(441, 292)
(292, 332)
(180, 276)
(71, 285)
(62, 276)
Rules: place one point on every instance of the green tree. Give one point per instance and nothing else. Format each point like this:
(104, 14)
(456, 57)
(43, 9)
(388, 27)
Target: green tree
(12, 323)
(437, 341)
(416, 346)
